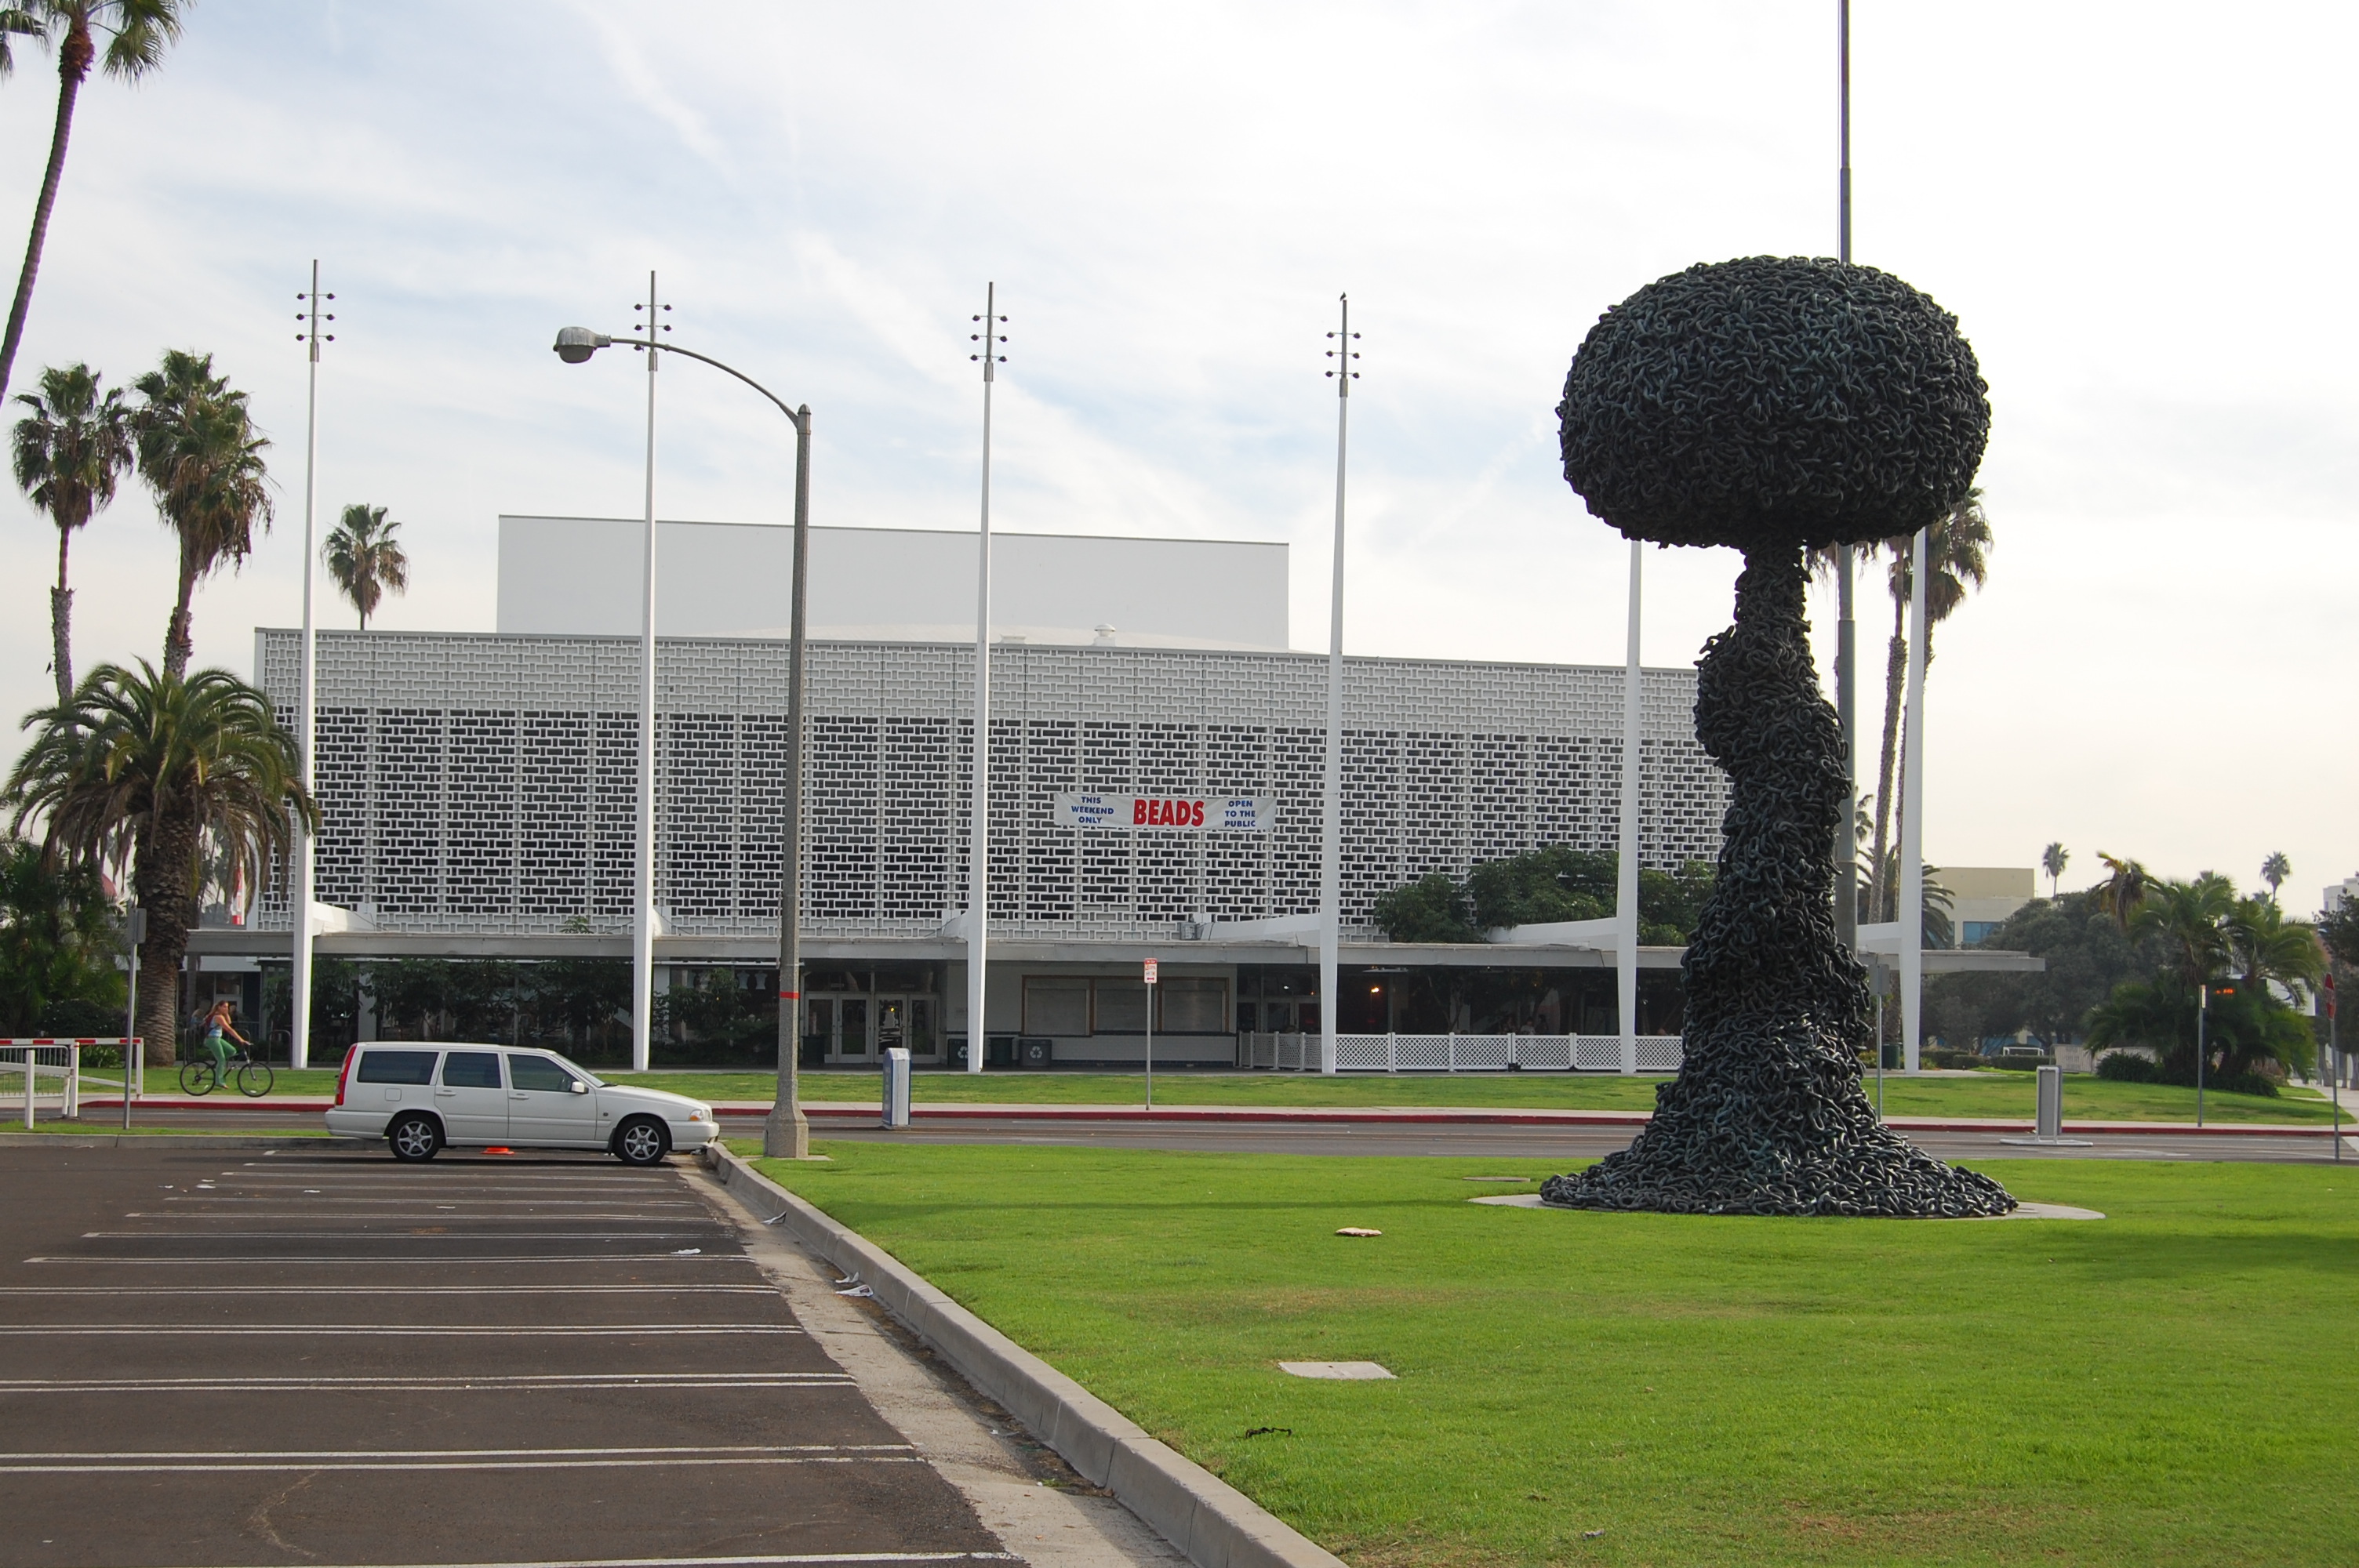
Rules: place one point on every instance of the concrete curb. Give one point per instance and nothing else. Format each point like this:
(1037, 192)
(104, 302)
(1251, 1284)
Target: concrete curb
(1216, 1525)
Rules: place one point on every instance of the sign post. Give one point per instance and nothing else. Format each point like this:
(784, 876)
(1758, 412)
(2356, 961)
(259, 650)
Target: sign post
(2333, 1065)
(1150, 1035)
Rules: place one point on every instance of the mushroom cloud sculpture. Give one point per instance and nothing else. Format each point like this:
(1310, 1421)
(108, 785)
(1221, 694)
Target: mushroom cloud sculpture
(1776, 406)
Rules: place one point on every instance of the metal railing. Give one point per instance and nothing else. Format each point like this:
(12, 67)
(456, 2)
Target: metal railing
(1459, 1052)
(30, 1063)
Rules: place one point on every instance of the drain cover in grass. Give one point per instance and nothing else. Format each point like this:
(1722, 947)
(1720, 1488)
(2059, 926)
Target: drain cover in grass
(1345, 1371)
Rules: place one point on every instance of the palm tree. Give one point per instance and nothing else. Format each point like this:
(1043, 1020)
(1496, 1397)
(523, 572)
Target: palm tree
(365, 559)
(138, 770)
(2275, 870)
(2265, 946)
(2124, 889)
(1957, 559)
(137, 32)
(2052, 860)
(2190, 922)
(68, 453)
(201, 455)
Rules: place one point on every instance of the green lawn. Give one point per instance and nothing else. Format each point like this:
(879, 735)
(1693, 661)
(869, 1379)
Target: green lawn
(1986, 1095)
(1993, 1094)
(2165, 1387)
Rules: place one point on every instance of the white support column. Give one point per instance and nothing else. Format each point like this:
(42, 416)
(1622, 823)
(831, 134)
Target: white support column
(978, 851)
(1626, 885)
(1330, 844)
(643, 893)
(1912, 819)
(302, 878)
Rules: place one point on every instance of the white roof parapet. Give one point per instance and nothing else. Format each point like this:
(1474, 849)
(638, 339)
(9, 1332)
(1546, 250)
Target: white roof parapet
(1599, 936)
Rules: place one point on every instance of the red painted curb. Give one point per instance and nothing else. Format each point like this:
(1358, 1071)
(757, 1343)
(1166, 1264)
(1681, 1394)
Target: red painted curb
(843, 1111)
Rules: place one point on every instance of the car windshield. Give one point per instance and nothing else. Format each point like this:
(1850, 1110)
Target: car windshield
(579, 1071)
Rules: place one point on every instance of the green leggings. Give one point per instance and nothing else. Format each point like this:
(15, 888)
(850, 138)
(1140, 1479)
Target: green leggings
(218, 1045)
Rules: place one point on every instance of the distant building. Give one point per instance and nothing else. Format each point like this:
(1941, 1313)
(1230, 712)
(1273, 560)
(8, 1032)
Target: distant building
(2332, 898)
(1981, 897)
(479, 792)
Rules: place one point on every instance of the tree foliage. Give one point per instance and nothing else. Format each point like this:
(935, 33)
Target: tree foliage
(137, 33)
(58, 935)
(68, 455)
(137, 773)
(365, 560)
(201, 455)
(1543, 887)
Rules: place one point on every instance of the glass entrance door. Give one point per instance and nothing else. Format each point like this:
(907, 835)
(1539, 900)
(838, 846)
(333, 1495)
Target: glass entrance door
(851, 1029)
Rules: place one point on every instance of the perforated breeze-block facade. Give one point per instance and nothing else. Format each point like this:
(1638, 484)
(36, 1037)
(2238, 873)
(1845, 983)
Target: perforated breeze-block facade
(485, 784)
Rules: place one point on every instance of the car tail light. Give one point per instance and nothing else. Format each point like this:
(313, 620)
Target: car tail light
(344, 1074)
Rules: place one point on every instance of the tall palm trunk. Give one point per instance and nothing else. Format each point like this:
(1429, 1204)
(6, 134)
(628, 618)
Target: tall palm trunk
(166, 851)
(74, 57)
(178, 644)
(61, 625)
(1895, 671)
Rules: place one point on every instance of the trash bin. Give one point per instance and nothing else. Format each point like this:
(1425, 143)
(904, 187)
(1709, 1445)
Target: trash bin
(896, 1096)
(2051, 1102)
(1035, 1052)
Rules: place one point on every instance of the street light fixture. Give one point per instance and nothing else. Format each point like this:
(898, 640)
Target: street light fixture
(787, 1133)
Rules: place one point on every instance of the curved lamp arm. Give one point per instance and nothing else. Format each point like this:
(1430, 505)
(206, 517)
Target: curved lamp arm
(575, 344)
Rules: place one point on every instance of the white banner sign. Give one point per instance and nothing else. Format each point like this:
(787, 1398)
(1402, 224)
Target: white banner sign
(1175, 813)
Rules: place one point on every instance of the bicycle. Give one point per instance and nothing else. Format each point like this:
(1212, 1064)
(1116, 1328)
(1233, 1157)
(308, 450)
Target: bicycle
(203, 1075)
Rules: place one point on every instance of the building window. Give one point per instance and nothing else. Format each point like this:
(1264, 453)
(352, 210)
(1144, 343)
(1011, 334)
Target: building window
(1194, 1005)
(1122, 1007)
(1056, 1004)
(1975, 933)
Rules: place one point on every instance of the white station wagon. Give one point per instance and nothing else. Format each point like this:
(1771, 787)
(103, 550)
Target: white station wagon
(420, 1097)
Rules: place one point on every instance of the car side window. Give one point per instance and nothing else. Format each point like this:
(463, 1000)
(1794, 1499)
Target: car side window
(471, 1070)
(397, 1066)
(538, 1073)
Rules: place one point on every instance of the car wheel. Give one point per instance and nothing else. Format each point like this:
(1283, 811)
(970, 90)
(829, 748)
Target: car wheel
(642, 1140)
(414, 1137)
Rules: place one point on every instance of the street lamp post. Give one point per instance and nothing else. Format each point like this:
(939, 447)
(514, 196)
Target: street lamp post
(787, 1133)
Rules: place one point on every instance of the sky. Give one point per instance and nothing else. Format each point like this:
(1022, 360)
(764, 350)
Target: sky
(2127, 208)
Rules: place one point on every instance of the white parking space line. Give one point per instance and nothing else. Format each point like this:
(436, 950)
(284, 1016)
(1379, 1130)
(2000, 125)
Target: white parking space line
(815, 1559)
(202, 1461)
(444, 1261)
(506, 1384)
(384, 1233)
(667, 1461)
(511, 1330)
(700, 1290)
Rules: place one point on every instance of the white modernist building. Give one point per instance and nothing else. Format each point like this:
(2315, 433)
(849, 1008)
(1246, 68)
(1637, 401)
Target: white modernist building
(478, 791)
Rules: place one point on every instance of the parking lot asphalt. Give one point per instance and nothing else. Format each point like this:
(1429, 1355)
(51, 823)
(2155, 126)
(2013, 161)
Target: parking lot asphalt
(291, 1356)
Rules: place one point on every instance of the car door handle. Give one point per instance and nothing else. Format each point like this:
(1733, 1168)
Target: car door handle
(515, 1095)
(444, 1094)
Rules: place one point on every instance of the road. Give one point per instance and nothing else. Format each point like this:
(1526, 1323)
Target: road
(1477, 1139)
(319, 1356)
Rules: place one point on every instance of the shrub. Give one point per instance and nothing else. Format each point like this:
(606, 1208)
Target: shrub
(2128, 1067)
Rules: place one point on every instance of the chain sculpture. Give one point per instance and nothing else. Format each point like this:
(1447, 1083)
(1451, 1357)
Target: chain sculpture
(1775, 405)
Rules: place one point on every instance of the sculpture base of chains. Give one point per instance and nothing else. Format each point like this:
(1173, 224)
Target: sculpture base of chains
(1767, 1115)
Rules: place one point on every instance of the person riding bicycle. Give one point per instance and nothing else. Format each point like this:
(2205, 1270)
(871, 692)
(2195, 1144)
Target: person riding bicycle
(217, 1024)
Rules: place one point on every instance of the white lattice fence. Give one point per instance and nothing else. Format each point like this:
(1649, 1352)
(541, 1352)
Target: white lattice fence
(1459, 1052)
